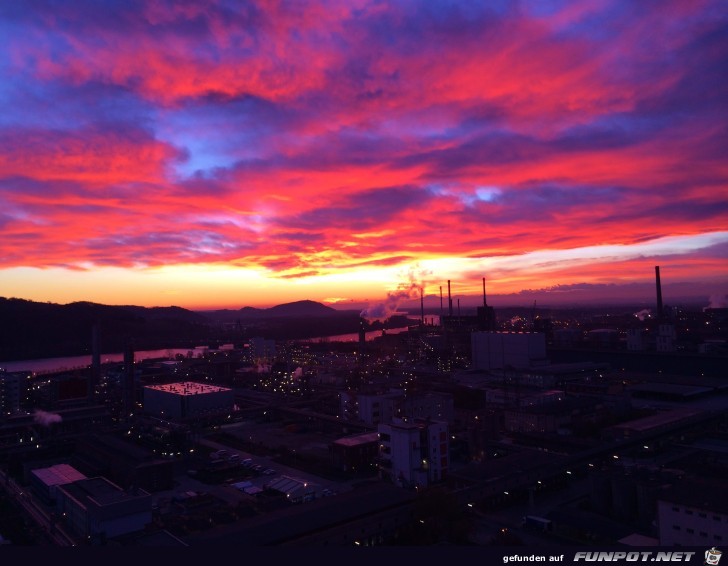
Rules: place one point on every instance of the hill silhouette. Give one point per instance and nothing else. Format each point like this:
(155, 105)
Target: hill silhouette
(294, 309)
(43, 330)
(33, 329)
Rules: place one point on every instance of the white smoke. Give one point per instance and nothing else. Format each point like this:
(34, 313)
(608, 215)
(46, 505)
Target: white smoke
(46, 419)
(411, 289)
(297, 373)
(384, 310)
(643, 314)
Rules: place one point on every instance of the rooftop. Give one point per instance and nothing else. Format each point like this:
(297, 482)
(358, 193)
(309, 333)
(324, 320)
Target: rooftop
(291, 486)
(358, 440)
(672, 389)
(59, 474)
(188, 388)
(100, 492)
(659, 419)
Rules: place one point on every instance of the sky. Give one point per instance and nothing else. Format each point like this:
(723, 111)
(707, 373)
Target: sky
(216, 154)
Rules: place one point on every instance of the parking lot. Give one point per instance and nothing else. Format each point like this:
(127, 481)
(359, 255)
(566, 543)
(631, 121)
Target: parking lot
(237, 476)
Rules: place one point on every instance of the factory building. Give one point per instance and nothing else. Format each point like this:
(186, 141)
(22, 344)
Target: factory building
(98, 509)
(355, 453)
(694, 512)
(187, 400)
(13, 391)
(374, 409)
(45, 481)
(497, 350)
(370, 409)
(414, 454)
(296, 490)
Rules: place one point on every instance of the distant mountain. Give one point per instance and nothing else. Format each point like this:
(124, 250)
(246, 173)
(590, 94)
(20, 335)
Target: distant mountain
(301, 308)
(294, 309)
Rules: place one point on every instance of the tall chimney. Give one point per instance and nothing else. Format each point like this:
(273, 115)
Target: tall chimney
(449, 298)
(440, 304)
(485, 303)
(422, 306)
(659, 292)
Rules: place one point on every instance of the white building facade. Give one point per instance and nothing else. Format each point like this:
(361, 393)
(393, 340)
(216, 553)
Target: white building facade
(414, 454)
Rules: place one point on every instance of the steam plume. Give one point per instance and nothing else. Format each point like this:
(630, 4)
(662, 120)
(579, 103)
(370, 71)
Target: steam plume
(46, 419)
(411, 289)
(643, 314)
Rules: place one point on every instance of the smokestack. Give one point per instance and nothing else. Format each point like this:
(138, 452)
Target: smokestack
(485, 303)
(449, 298)
(659, 292)
(440, 304)
(422, 306)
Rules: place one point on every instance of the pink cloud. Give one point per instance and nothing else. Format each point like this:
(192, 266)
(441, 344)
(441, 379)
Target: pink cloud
(356, 135)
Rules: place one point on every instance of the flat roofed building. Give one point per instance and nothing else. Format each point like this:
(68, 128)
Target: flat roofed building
(13, 391)
(494, 350)
(355, 453)
(415, 453)
(371, 409)
(295, 489)
(123, 462)
(693, 512)
(46, 480)
(187, 400)
(660, 422)
(95, 507)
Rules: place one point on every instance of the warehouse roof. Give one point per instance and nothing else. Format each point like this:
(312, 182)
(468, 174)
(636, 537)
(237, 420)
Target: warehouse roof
(188, 388)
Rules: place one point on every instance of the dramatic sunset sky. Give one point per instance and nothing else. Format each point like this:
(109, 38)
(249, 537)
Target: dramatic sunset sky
(228, 153)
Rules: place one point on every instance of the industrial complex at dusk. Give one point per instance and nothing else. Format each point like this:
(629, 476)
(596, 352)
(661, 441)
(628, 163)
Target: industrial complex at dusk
(406, 278)
(464, 427)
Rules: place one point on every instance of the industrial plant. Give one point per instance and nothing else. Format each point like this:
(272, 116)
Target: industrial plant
(468, 426)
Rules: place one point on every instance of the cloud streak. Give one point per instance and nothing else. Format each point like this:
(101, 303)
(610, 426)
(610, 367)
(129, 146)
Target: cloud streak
(306, 141)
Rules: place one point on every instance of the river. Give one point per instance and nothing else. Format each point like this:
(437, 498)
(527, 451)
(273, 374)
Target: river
(45, 365)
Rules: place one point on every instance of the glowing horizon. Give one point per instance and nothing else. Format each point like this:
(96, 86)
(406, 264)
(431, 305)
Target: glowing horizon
(220, 155)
